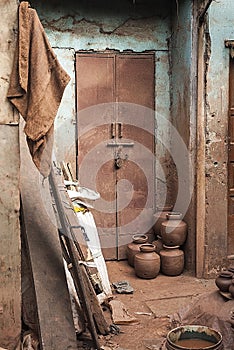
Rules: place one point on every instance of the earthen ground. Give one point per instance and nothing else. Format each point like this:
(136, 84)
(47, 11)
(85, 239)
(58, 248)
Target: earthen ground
(152, 303)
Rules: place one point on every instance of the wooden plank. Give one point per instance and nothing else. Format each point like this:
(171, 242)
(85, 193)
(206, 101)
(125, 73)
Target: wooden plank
(56, 328)
(201, 179)
(10, 278)
(85, 291)
(10, 255)
(86, 220)
(96, 310)
(120, 314)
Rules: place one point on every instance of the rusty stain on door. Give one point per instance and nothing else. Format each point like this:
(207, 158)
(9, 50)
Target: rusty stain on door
(115, 99)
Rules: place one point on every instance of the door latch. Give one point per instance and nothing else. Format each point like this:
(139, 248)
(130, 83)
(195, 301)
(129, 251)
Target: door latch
(118, 159)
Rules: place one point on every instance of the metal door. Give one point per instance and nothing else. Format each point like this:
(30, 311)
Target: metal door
(231, 162)
(115, 99)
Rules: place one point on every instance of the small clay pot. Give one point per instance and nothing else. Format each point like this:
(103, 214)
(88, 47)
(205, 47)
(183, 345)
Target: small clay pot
(174, 229)
(151, 235)
(232, 320)
(231, 269)
(159, 217)
(134, 247)
(224, 280)
(147, 262)
(158, 243)
(231, 288)
(172, 260)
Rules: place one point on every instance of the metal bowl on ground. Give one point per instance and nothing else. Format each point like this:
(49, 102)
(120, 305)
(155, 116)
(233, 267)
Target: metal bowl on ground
(194, 337)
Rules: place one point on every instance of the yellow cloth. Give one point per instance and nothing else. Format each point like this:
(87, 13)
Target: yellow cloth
(36, 86)
(79, 209)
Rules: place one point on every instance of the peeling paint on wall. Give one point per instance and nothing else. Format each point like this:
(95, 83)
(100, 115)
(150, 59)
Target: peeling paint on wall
(118, 26)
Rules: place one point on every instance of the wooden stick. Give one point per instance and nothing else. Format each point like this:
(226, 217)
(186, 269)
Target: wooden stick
(78, 280)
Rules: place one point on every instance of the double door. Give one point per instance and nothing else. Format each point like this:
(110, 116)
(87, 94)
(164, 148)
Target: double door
(116, 144)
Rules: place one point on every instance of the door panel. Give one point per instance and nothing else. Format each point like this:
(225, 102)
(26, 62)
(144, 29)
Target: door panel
(135, 79)
(120, 149)
(95, 75)
(135, 85)
(95, 97)
(231, 162)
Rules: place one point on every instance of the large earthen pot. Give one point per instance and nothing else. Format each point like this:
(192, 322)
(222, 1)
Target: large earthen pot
(134, 247)
(159, 217)
(172, 260)
(174, 229)
(147, 262)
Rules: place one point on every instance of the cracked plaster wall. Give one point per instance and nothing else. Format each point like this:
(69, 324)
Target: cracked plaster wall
(221, 17)
(116, 26)
(183, 119)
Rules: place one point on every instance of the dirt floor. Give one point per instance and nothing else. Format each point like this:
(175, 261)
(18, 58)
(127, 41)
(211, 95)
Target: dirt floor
(152, 304)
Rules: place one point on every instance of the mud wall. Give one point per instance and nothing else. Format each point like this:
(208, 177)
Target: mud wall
(10, 259)
(183, 120)
(216, 98)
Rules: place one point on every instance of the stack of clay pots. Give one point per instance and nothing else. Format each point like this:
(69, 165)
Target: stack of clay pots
(142, 256)
(164, 253)
(171, 232)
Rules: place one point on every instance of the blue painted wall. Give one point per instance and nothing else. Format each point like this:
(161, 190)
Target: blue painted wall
(104, 25)
(99, 25)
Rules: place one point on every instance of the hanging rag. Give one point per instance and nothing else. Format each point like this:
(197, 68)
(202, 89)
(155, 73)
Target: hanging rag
(36, 86)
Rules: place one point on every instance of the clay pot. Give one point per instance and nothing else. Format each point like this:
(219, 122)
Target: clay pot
(151, 235)
(158, 243)
(232, 320)
(174, 229)
(231, 269)
(160, 217)
(231, 288)
(134, 247)
(224, 280)
(147, 262)
(172, 260)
